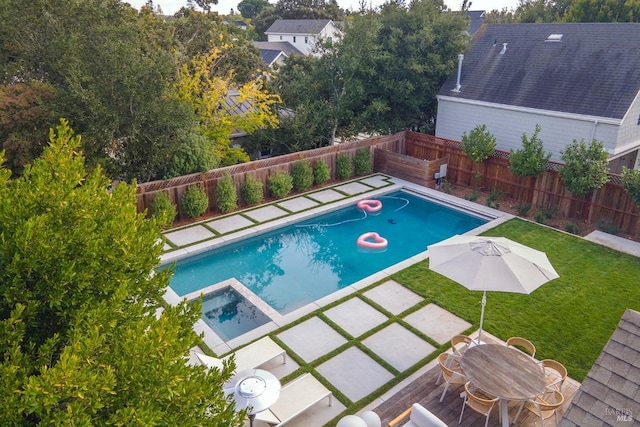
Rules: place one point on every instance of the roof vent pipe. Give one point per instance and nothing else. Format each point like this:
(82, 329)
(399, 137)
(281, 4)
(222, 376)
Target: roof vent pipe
(460, 58)
(504, 48)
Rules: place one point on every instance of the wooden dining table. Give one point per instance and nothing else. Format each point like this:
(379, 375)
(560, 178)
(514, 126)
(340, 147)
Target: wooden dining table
(503, 372)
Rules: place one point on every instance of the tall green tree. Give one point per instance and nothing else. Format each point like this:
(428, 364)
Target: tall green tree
(585, 168)
(250, 8)
(530, 161)
(478, 145)
(24, 122)
(85, 336)
(631, 183)
(110, 67)
(603, 11)
(399, 58)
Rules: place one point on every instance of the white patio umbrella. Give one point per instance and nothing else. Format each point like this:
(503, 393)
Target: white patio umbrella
(491, 264)
(255, 390)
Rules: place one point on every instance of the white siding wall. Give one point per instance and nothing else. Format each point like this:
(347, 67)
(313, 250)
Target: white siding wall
(299, 43)
(629, 134)
(455, 118)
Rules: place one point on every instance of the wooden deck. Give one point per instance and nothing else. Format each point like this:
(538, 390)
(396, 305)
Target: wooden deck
(424, 390)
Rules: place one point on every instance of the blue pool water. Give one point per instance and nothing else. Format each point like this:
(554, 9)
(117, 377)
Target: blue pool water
(230, 314)
(298, 264)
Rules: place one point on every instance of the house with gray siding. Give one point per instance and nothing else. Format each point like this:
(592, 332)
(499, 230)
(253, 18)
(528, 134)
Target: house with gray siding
(578, 80)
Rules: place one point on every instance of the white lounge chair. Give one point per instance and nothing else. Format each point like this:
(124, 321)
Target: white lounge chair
(252, 356)
(296, 397)
(419, 416)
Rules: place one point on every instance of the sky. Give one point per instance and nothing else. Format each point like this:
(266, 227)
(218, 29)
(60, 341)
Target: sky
(169, 7)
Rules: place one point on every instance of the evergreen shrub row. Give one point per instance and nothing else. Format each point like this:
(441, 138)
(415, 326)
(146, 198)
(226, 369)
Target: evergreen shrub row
(303, 175)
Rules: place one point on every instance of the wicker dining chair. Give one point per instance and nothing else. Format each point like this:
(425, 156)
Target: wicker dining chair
(459, 344)
(544, 406)
(520, 343)
(451, 372)
(555, 374)
(477, 400)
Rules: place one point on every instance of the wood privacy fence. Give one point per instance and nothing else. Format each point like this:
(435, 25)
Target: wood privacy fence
(403, 155)
(260, 170)
(610, 205)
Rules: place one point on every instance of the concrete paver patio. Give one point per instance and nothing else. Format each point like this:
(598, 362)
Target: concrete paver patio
(398, 346)
(437, 323)
(393, 297)
(311, 339)
(354, 373)
(355, 316)
(230, 223)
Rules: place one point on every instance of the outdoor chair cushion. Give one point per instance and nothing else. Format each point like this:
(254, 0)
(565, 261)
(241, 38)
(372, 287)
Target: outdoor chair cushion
(422, 417)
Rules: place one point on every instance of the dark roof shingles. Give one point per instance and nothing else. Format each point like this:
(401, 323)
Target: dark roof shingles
(297, 26)
(612, 387)
(594, 70)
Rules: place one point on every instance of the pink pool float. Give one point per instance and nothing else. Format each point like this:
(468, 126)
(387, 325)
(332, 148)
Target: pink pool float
(369, 205)
(372, 240)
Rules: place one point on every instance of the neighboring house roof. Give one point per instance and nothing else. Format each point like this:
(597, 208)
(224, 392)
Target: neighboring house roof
(610, 393)
(298, 26)
(582, 68)
(285, 47)
(270, 56)
(476, 19)
(237, 23)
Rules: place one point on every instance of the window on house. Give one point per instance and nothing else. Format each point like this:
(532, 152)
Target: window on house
(294, 39)
(280, 37)
(638, 120)
(306, 40)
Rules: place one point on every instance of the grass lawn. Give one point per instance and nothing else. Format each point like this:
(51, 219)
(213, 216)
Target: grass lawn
(569, 319)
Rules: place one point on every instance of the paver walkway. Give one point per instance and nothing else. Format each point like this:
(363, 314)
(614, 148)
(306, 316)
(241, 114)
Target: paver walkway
(367, 347)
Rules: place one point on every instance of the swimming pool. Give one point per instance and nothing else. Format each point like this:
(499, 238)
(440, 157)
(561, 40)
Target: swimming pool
(292, 266)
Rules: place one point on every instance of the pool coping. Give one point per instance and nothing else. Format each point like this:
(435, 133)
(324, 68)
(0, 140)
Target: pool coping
(220, 346)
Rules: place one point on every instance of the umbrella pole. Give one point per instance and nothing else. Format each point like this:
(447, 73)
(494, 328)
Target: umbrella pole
(484, 303)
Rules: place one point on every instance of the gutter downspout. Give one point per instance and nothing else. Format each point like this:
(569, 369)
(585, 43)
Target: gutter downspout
(458, 86)
(593, 132)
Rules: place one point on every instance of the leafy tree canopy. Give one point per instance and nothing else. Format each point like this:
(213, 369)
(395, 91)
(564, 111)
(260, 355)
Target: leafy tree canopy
(531, 160)
(603, 11)
(479, 144)
(250, 8)
(221, 107)
(585, 167)
(85, 336)
(111, 71)
(631, 183)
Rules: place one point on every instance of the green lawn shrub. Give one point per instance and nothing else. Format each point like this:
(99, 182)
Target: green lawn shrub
(321, 172)
(344, 167)
(362, 163)
(302, 175)
(194, 202)
(252, 191)
(226, 195)
(280, 184)
(163, 210)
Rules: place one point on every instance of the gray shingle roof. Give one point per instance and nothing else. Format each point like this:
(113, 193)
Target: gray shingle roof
(593, 70)
(285, 47)
(269, 55)
(297, 26)
(610, 394)
(476, 19)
